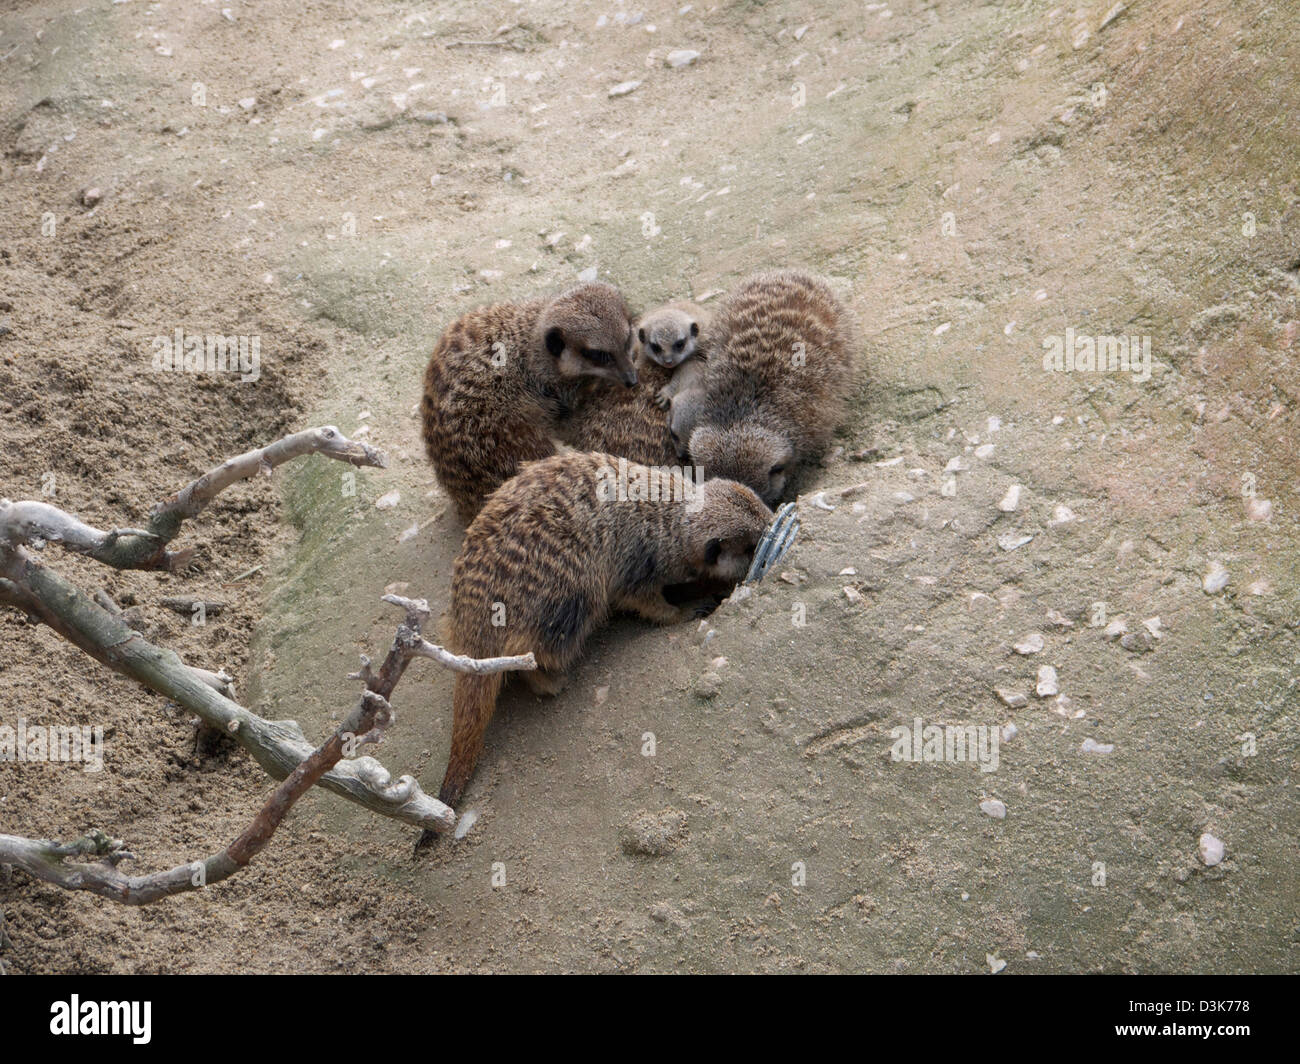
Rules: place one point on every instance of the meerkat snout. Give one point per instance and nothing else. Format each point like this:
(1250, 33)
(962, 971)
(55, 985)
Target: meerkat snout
(757, 457)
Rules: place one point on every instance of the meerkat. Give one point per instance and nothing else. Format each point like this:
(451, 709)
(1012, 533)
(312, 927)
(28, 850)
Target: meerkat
(670, 363)
(777, 382)
(555, 551)
(669, 336)
(501, 378)
(627, 423)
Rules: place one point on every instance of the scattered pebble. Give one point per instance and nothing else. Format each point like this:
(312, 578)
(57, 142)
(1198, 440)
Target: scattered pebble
(91, 196)
(984, 450)
(588, 275)
(248, 103)
(1136, 642)
(409, 533)
(624, 87)
(850, 571)
(1210, 849)
(1048, 684)
(1009, 731)
(1059, 619)
(1014, 699)
(1115, 629)
(388, 500)
(1011, 541)
(708, 686)
(996, 964)
(682, 57)
(1216, 579)
(994, 808)
(653, 834)
(1152, 625)
(1011, 500)
(853, 595)
(1091, 746)
(1259, 509)
(468, 819)
(1061, 515)
(1031, 644)
(602, 695)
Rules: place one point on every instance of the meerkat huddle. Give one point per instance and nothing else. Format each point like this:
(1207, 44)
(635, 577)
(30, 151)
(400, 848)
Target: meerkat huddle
(751, 395)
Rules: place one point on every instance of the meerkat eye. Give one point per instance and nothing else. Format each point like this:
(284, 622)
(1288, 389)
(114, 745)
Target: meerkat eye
(695, 328)
(599, 358)
(712, 550)
(776, 470)
(679, 345)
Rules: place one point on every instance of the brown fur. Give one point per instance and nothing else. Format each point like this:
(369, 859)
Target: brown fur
(501, 378)
(762, 414)
(627, 422)
(559, 560)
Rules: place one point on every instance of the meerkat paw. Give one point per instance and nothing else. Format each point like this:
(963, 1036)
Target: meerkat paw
(664, 397)
(545, 683)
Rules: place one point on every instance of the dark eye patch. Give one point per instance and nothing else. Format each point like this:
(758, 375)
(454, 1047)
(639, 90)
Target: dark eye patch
(599, 358)
(679, 345)
(656, 349)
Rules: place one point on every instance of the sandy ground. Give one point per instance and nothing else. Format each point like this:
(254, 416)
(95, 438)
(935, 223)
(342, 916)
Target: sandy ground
(341, 180)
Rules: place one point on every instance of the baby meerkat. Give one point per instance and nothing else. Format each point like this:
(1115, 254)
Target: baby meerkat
(778, 376)
(555, 551)
(669, 336)
(501, 378)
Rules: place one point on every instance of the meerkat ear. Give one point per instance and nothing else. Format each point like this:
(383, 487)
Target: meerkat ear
(711, 551)
(555, 340)
(695, 328)
(641, 335)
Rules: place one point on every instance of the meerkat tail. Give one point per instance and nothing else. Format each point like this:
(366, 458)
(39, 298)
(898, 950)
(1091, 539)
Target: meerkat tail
(473, 701)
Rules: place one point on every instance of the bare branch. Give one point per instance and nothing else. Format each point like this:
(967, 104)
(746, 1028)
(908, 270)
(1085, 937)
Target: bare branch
(48, 860)
(37, 523)
(279, 746)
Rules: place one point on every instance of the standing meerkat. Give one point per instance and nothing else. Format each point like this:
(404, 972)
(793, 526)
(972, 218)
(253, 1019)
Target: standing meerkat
(779, 372)
(501, 378)
(555, 551)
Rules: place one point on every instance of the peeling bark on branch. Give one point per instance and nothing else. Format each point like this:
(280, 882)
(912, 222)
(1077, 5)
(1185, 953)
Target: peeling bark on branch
(38, 523)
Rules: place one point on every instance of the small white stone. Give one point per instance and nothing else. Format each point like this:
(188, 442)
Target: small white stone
(682, 57)
(1014, 699)
(1047, 682)
(624, 87)
(1091, 746)
(1031, 644)
(994, 808)
(1216, 579)
(852, 594)
(996, 964)
(1115, 629)
(388, 500)
(1009, 732)
(588, 275)
(248, 103)
(995, 423)
(1011, 541)
(1011, 500)
(467, 820)
(408, 533)
(955, 465)
(849, 571)
(1211, 850)
(1259, 509)
(1059, 619)
(1152, 625)
(984, 450)
(1061, 515)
